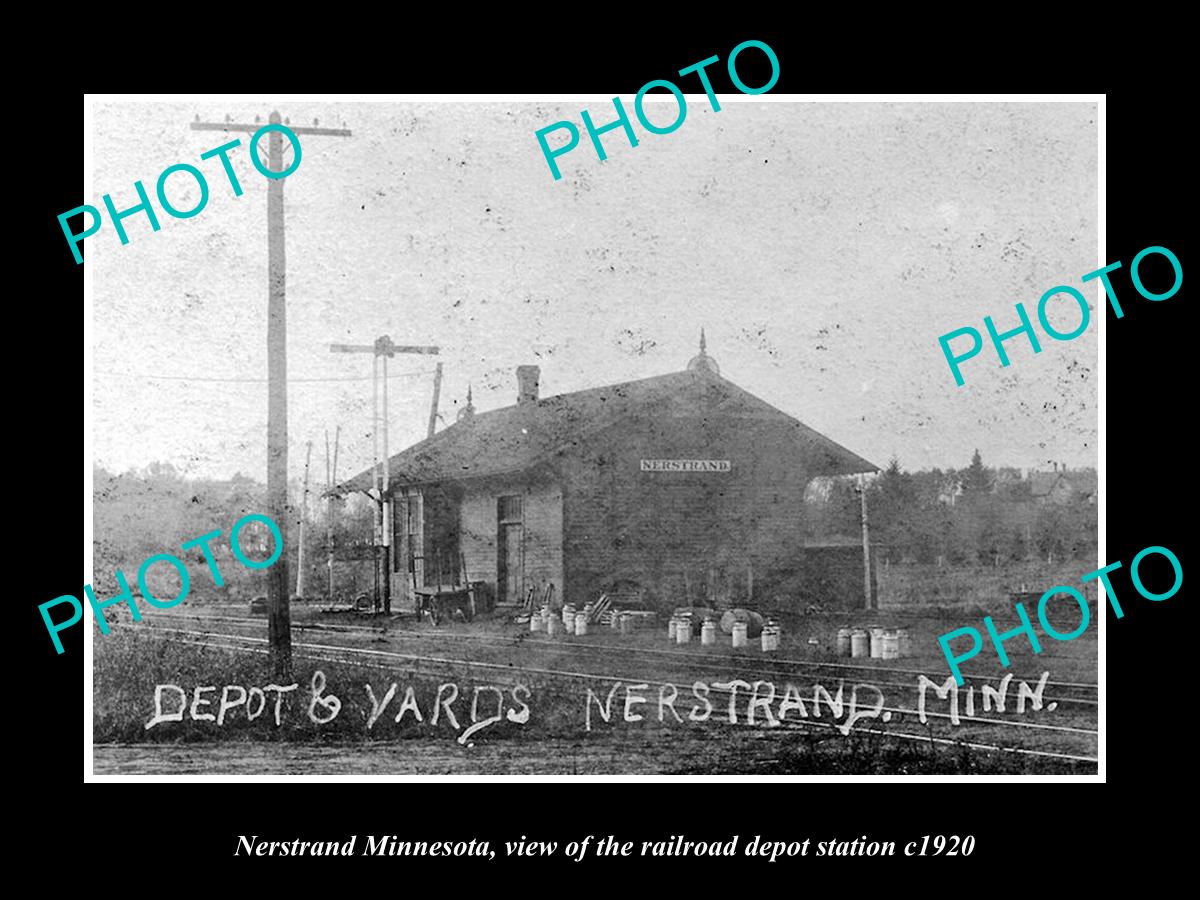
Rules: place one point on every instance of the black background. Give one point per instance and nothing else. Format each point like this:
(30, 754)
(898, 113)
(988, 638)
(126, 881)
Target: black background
(1055, 828)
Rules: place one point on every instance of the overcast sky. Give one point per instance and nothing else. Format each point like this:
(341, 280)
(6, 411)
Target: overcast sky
(823, 247)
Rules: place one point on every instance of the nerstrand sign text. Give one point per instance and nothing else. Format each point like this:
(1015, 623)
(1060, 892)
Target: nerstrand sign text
(203, 543)
(685, 465)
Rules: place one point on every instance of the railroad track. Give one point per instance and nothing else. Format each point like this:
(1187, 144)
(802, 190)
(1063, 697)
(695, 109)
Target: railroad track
(377, 658)
(751, 664)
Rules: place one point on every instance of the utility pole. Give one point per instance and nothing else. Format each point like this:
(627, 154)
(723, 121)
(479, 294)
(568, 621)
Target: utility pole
(866, 541)
(437, 391)
(330, 481)
(303, 519)
(383, 349)
(279, 623)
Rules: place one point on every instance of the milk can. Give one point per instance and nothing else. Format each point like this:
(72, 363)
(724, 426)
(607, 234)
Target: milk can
(860, 642)
(843, 641)
(739, 634)
(891, 645)
(770, 637)
(876, 633)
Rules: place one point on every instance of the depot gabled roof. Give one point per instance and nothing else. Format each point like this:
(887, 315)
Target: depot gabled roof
(516, 438)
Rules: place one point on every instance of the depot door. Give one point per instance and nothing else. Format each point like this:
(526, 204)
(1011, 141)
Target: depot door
(509, 550)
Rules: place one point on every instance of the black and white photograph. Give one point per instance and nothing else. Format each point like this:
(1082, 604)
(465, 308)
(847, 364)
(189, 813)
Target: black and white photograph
(454, 437)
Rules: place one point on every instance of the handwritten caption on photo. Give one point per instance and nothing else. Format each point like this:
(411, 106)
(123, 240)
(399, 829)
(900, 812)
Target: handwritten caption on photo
(203, 543)
(760, 703)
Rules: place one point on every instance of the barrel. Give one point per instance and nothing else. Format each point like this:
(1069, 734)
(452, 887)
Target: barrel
(843, 641)
(672, 627)
(581, 623)
(683, 631)
(536, 623)
(904, 641)
(876, 633)
(555, 626)
(708, 633)
(770, 638)
(626, 623)
(738, 629)
(860, 642)
(614, 619)
(891, 645)
(568, 615)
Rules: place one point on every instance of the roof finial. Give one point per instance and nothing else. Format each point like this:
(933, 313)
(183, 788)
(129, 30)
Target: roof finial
(469, 410)
(702, 361)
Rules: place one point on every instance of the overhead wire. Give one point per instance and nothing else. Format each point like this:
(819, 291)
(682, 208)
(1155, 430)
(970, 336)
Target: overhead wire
(236, 380)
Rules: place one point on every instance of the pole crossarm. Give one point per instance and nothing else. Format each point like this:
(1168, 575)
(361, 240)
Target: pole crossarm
(384, 347)
(244, 126)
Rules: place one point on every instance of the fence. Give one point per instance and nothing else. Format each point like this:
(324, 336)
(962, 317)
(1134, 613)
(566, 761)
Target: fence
(909, 585)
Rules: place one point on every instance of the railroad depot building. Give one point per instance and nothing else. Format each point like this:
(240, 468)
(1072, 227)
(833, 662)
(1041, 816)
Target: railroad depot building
(682, 488)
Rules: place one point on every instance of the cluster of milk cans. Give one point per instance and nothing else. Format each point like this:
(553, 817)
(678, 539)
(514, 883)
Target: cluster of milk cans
(742, 627)
(874, 641)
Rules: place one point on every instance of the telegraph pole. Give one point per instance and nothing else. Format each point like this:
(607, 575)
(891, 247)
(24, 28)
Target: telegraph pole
(866, 541)
(279, 625)
(437, 391)
(330, 481)
(383, 349)
(300, 585)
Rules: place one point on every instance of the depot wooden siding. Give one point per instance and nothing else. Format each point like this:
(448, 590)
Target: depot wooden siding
(653, 527)
(542, 531)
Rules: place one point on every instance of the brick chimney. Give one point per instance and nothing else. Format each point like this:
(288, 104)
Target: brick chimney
(527, 384)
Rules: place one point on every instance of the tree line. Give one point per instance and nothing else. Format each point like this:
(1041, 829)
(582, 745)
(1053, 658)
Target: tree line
(968, 516)
(155, 509)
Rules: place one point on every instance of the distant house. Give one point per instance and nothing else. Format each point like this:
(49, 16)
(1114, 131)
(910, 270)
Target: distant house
(656, 483)
(950, 488)
(1006, 480)
(1062, 486)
